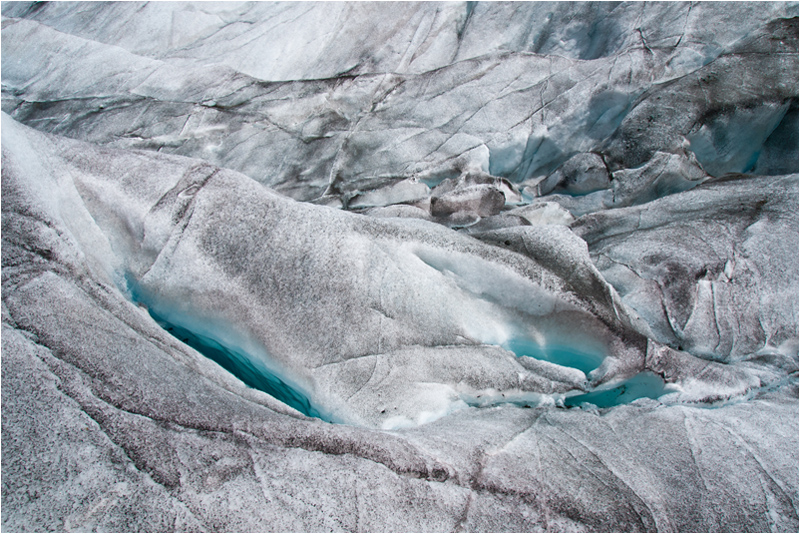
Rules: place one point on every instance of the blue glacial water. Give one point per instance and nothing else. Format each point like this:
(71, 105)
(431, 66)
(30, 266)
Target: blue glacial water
(643, 385)
(563, 355)
(247, 369)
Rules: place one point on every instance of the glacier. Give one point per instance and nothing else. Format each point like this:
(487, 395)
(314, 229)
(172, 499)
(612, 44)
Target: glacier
(464, 266)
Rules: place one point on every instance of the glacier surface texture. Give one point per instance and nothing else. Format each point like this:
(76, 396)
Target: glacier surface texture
(400, 266)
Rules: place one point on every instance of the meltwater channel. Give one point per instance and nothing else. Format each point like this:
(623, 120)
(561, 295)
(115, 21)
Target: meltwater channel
(247, 369)
(255, 374)
(250, 370)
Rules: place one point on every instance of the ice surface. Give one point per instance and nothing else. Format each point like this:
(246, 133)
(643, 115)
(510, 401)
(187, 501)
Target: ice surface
(367, 124)
(401, 192)
(747, 132)
(177, 258)
(536, 261)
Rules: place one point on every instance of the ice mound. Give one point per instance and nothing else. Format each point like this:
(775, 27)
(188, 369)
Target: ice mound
(226, 264)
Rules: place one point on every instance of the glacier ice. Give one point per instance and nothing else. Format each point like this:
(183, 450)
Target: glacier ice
(417, 266)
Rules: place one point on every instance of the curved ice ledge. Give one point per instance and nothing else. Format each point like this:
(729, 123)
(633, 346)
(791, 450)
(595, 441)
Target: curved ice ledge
(254, 372)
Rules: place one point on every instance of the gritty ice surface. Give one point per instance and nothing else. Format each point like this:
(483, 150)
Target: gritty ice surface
(415, 266)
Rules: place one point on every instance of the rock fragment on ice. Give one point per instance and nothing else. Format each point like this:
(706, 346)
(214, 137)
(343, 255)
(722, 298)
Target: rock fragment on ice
(544, 212)
(479, 200)
(581, 174)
